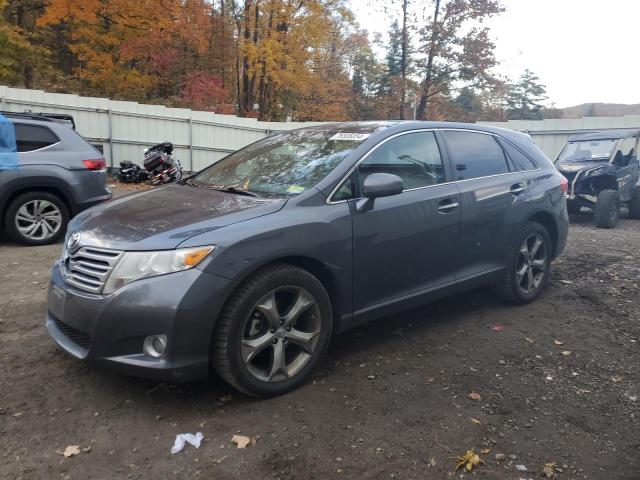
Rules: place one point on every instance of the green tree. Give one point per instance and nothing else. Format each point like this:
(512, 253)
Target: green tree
(524, 98)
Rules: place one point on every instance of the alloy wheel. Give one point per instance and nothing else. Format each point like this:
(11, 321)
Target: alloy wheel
(38, 220)
(532, 263)
(281, 334)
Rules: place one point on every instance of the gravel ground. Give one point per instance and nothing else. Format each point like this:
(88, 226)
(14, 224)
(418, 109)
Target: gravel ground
(560, 383)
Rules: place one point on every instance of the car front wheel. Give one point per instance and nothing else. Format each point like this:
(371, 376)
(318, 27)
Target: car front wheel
(607, 211)
(273, 331)
(528, 265)
(36, 218)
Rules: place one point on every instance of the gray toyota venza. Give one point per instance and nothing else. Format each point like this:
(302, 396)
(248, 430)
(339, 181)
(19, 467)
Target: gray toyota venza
(250, 266)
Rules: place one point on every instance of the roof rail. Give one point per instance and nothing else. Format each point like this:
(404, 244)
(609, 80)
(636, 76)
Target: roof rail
(41, 116)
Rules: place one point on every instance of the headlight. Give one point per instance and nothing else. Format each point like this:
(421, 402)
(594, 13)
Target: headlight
(136, 265)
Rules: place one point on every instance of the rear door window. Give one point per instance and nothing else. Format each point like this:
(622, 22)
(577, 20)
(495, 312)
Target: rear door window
(475, 154)
(33, 137)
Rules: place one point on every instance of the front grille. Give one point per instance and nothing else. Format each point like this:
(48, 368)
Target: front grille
(88, 268)
(82, 339)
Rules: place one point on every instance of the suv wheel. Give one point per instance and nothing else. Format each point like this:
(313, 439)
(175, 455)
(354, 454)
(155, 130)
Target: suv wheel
(528, 265)
(607, 211)
(273, 331)
(634, 204)
(36, 218)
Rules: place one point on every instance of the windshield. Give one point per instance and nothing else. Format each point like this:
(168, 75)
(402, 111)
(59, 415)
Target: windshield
(282, 165)
(588, 151)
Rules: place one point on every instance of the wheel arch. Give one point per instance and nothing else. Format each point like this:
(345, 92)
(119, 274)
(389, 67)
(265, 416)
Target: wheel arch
(51, 188)
(549, 223)
(315, 267)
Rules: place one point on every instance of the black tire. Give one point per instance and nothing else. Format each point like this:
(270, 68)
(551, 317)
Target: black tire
(510, 288)
(27, 199)
(237, 315)
(607, 211)
(573, 207)
(634, 204)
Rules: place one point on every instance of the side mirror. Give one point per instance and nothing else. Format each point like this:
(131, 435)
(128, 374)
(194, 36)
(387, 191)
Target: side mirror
(378, 185)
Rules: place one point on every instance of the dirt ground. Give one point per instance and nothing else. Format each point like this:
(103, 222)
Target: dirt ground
(560, 383)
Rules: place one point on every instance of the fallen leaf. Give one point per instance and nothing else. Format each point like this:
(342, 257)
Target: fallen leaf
(566, 353)
(242, 441)
(549, 470)
(616, 379)
(558, 342)
(71, 450)
(496, 327)
(469, 460)
(475, 396)
(476, 421)
(485, 450)
(530, 340)
(87, 449)
(432, 462)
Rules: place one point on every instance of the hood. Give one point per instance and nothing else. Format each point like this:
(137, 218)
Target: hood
(163, 218)
(572, 167)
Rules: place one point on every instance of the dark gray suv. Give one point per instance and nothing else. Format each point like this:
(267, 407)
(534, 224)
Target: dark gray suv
(53, 174)
(251, 265)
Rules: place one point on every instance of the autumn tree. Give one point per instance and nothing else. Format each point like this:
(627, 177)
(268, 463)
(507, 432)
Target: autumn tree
(524, 98)
(456, 46)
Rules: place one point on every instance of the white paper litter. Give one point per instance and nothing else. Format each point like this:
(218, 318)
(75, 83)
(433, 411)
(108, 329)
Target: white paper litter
(183, 438)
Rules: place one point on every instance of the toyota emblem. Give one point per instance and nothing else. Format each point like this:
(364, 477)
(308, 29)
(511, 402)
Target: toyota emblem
(74, 242)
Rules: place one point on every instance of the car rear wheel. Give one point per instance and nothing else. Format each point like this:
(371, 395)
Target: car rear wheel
(607, 211)
(634, 204)
(528, 265)
(36, 218)
(273, 331)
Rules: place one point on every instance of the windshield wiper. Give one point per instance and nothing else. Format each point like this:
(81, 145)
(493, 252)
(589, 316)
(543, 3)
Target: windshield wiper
(223, 188)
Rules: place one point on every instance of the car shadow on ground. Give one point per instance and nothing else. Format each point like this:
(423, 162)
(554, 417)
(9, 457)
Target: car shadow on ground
(354, 347)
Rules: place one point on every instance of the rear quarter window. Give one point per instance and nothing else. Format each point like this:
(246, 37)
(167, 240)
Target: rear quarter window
(519, 161)
(33, 137)
(475, 154)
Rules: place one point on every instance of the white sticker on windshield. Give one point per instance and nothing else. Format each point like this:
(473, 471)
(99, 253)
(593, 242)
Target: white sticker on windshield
(353, 137)
(600, 155)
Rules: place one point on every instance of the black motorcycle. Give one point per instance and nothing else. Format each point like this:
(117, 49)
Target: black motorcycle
(131, 173)
(160, 165)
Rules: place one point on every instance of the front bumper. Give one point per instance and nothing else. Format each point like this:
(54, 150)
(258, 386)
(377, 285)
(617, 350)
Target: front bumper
(109, 331)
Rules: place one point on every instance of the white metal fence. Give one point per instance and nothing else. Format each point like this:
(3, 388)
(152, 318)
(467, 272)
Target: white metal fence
(125, 129)
(551, 134)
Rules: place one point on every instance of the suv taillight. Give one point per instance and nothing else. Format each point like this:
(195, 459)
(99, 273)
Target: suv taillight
(97, 164)
(564, 184)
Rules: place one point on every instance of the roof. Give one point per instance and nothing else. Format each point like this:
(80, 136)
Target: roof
(605, 135)
(42, 117)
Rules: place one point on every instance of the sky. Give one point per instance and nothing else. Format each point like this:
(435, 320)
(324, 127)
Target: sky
(583, 50)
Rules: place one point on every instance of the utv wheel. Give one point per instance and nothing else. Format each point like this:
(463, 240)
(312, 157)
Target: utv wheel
(528, 265)
(634, 204)
(607, 211)
(273, 331)
(573, 207)
(36, 218)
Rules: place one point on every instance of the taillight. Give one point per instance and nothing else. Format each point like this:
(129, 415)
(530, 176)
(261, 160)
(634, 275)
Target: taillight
(97, 164)
(564, 185)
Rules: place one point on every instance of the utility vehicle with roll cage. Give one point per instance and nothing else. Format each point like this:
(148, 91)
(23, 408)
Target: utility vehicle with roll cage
(602, 170)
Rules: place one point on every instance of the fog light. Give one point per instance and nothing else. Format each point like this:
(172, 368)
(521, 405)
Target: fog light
(155, 345)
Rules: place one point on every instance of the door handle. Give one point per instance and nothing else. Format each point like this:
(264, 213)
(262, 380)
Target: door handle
(448, 205)
(518, 188)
